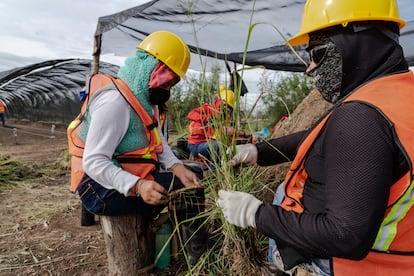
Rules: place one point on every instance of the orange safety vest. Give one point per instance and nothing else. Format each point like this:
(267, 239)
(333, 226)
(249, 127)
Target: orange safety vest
(393, 250)
(2, 110)
(199, 129)
(139, 162)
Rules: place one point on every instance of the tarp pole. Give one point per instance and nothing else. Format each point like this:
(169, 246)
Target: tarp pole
(96, 54)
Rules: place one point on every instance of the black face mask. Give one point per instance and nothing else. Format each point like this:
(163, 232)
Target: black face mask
(158, 96)
(327, 74)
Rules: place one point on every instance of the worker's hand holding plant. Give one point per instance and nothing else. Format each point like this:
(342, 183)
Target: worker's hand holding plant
(187, 177)
(238, 208)
(152, 192)
(245, 155)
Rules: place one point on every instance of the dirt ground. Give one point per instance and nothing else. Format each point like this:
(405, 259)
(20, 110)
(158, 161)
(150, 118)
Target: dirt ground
(40, 232)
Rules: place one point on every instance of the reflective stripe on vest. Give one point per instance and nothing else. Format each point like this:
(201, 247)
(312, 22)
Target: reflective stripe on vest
(77, 145)
(396, 233)
(397, 110)
(388, 229)
(395, 238)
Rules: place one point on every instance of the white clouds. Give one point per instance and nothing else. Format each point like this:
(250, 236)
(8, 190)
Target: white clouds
(39, 30)
(26, 47)
(50, 29)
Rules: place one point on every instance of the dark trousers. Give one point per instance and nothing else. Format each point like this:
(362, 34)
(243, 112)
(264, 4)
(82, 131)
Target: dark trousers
(203, 149)
(101, 201)
(2, 119)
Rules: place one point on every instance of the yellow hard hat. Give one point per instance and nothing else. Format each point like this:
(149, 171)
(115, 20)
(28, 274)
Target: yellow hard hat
(227, 95)
(168, 48)
(321, 14)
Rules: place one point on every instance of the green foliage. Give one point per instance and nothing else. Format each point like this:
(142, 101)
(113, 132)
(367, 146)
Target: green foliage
(235, 251)
(240, 251)
(282, 96)
(192, 93)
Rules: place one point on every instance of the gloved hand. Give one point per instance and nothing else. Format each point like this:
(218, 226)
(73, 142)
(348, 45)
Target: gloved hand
(238, 208)
(245, 154)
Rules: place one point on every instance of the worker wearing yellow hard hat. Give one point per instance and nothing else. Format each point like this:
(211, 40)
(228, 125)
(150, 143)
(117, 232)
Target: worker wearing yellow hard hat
(318, 15)
(203, 130)
(227, 96)
(168, 48)
(345, 206)
(121, 145)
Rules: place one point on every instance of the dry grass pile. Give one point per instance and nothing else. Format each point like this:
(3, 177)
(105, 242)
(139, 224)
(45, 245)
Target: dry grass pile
(12, 170)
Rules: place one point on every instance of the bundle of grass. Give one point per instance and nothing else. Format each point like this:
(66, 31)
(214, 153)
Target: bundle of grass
(232, 250)
(12, 170)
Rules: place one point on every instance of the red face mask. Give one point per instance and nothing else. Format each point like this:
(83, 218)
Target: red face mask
(163, 77)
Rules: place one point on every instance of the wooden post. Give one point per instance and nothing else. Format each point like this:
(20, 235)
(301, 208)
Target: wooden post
(129, 244)
(96, 54)
(130, 239)
(15, 135)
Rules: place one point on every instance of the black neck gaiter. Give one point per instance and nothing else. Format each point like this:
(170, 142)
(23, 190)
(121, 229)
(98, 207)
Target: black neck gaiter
(365, 55)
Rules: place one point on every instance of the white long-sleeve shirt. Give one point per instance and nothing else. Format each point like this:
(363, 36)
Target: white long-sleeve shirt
(110, 115)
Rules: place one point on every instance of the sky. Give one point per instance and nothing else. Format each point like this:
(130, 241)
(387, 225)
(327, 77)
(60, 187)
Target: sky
(37, 30)
(33, 31)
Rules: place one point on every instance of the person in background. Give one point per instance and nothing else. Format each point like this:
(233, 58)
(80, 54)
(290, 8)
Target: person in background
(121, 159)
(2, 114)
(204, 120)
(346, 204)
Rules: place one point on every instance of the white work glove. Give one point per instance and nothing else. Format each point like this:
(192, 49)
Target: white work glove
(238, 208)
(245, 154)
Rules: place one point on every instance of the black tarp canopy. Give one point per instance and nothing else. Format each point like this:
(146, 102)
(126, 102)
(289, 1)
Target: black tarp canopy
(220, 29)
(47, 90)
(213, 28)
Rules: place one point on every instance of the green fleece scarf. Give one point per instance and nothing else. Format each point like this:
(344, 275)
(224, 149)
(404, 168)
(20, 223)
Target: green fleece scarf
(136, 74)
